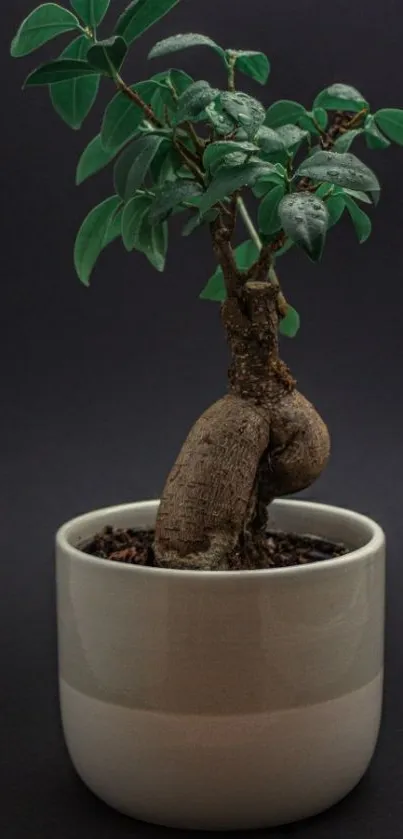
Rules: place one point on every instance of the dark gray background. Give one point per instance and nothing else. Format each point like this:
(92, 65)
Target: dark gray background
(100, 386)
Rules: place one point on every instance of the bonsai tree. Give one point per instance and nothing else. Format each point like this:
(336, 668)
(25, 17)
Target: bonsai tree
(181, 146)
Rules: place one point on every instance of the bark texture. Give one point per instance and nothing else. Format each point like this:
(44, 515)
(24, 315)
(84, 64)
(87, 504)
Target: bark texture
(260, 441)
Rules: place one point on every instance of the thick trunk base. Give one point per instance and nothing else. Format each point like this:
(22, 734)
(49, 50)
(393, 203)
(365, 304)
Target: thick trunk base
(261, 441)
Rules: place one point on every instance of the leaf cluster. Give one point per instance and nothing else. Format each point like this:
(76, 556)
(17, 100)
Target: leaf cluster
(181, 146)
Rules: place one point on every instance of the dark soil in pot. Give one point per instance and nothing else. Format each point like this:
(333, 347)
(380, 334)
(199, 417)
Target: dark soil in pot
(280, 550)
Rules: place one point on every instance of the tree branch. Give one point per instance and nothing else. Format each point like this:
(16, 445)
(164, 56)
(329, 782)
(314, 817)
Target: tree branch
(187, 155)
(131, 94)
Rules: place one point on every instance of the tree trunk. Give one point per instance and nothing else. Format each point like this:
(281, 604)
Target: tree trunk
(260, 441)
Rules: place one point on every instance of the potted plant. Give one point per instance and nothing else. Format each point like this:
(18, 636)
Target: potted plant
(221, 651)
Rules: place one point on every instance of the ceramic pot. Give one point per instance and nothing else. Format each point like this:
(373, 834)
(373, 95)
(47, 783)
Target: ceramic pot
(222, 700)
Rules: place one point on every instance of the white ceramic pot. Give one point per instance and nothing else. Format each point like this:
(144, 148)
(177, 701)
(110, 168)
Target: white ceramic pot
(222, 700)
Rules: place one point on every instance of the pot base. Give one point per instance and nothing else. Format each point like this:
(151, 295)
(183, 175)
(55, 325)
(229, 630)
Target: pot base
(222, 772)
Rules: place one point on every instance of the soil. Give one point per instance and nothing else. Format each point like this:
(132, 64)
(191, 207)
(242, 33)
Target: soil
(280, 550)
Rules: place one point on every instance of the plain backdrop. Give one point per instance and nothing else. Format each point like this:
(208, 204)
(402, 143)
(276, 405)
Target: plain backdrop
(99, 386)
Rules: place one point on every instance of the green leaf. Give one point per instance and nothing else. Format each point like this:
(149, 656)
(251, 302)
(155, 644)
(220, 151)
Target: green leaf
(93, 159)
(245, 255)
(176, 43)
(193, 101)
(62, 70)
(215, 289)
(197, 221)
(114, 229)
(153, 242)
(93, 237)
(335, 206)
(267, 182)
(165, 165)
(172, 195)
(358, 195)
(314, 121)
(243, 110)
(73, 100)
(254, 64)
(343, 169)
(289, 326)
(140, 15)
(231, 178)
(180, 80)
(108, 56)
(133, 214)
(42, 25)
(91, 12)
(216, 152)
(343, 143)
(284, 112)
(291, 136)
(222, 123)
(373, 136)
(134, 163)
(390, 121)
(269, 219)
(361, 221)
(304, 218)
(269, 140)
(341, 97)
(123, 117)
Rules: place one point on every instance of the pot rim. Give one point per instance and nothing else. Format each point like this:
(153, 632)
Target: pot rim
(375, 543)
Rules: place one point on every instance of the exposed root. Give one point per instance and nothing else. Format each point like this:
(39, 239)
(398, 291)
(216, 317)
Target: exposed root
(210, 491)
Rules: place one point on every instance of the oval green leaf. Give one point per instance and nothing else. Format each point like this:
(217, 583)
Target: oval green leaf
(177, 43)
(231, 178)
(373, 136)
(344, 142)
(91, 12)
(390, 121)
(123, 117)
(289, 326)
(341, 97)
(244, 110)
(73, 99)
(41, 26)
(134, 163)
(62, 70)
(291, 136)
(343, 169)
(108, 56)
(269, 219)
(93, 159)
(133, 214)
(93, 236)
(362, 222)
(284, 112)
(193, 102)
(253, 64)
(140, 15)
(304, 218)
(215, 152)
(269, 140)
(170, 196)
(314, 121)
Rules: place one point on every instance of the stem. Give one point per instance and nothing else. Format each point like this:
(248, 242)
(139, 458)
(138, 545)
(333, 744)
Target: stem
(198, 142)
(231, 73)
(283, 305)
(131, 94)
(189, 158)
(356, 119)
(249, 223)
